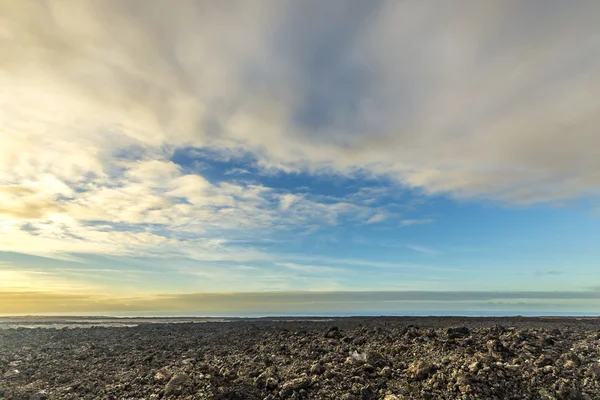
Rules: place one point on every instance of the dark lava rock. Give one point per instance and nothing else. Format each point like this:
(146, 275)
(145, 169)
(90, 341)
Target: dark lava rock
(271, 383)
(277, 359)
(317, 369)
(333, 333)
(497, 349)
(459, 332)
(568, 393)
(376, 359)
(179, 384)
(267, 379)
(295, 385)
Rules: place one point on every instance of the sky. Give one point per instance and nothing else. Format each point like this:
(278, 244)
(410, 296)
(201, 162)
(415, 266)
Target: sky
(299, 157)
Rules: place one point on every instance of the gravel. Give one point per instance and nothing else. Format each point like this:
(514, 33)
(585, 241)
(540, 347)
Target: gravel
(346, 358)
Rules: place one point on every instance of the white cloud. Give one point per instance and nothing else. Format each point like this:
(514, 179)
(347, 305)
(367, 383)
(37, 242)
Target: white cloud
(498, 101)
(287, 200)
(378, 217)
(312, 269)
(491, 99)
(357, 262)
(152, 208)
(422, 249)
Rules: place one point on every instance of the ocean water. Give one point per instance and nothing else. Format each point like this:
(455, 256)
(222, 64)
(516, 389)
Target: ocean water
(11, 322)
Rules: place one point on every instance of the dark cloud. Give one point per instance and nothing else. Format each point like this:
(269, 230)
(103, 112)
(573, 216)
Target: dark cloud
(320, 50)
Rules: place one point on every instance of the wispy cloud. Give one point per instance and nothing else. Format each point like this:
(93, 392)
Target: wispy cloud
(371, 263)
(411, 222)
(423, 249)
(378, 217)
(312, 302)
(319, 269)
(549, 273)
(45, 281)
(237, 171)
(153, 208)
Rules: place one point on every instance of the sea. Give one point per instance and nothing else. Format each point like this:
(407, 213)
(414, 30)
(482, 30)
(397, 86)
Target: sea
(128, 320)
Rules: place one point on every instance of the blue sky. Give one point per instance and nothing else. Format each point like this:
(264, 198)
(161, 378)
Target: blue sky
(445, 152)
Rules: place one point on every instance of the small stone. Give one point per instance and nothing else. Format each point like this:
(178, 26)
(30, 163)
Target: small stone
(474, 366)
(570, 360)
(266, 379)
(317, 369)
(464, 388)
(548, 369)
(41, 395)
(368, 368)
(162, 375)
(333, 333)
(254, 374)
(569, 364)
(394, 397)
(385, 372)
(366, 393)
(542, 361)
(459, 332)
(357, 358)
(420, 370)
(296, 384)
(11, 373)
(271, 383)
(376, 359)
(569, 393)
(497, 349)
(178, 384)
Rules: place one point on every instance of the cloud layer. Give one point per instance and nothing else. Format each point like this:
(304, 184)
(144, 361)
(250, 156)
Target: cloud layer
(494, 100)
(473, 99)
(312, 303)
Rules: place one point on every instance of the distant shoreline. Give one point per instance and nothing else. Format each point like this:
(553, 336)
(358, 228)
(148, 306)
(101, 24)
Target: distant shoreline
(67, 322)
(301, 316)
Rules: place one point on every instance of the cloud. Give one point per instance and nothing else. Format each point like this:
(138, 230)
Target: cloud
(47, 282)
(369, 263)
(482, 108)
(466, 114)
(312, 269)
(237, 171)
(314, 302)
(153, 208)
(287, 200)
(411, 222)
(378, 217)
(486, 100)
(549, 273)
(422, 249)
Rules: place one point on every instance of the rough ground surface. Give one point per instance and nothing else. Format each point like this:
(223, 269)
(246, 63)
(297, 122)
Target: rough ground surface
(349, 358)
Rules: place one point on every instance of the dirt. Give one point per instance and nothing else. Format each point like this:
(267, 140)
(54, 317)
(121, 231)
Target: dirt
(343, 358)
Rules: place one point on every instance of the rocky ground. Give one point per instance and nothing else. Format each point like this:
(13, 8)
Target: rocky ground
(347, 358)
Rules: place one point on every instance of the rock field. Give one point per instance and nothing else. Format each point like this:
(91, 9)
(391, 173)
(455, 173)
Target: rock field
(347, 358)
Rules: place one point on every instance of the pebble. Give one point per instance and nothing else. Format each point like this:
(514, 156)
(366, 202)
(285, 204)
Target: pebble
(303, 360)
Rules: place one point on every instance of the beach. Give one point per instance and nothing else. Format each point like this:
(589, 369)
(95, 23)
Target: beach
(301, 358)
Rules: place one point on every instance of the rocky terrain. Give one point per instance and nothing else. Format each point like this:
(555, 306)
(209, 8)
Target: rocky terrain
(345, 358)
